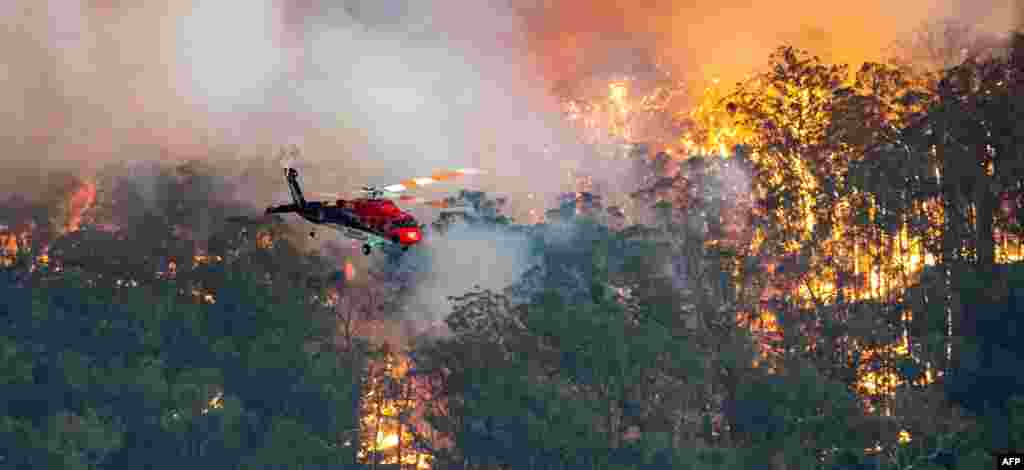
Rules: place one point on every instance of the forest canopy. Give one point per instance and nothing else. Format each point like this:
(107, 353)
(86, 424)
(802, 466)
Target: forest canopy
(841, 287)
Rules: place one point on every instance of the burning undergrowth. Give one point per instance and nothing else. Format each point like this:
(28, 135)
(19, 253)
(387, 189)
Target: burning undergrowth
(148, 203)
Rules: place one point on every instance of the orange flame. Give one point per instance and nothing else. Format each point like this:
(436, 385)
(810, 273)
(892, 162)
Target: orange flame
(350, 271)
(264, 240)
(9, 244)
(388, 435)
(205, 259)
(78, 202)
(11, 241)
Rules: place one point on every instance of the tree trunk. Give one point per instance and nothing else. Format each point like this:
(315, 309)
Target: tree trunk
(613, 399)
(357, 403)
(999, 426)
(778, 460)
(985, 208)
(951, 234)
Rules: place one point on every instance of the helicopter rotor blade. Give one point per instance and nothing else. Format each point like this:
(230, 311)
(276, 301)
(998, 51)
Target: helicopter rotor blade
(394, 190)
(444, 203)
(336, 196)
(427, 181)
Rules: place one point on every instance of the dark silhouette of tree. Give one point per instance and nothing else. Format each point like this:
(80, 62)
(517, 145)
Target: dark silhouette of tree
(984, 376)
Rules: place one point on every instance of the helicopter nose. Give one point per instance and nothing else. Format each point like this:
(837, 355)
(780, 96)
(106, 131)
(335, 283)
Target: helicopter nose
(409, 236)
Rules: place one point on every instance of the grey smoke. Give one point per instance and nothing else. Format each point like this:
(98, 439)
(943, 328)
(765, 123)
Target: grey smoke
(373, 91)
(465, 258)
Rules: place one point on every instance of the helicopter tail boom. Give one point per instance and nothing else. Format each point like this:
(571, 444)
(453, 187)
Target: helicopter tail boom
(285, 209)
(292, 175)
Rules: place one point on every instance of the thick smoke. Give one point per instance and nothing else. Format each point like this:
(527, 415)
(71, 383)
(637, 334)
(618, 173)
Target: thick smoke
(465, 258)
(379, 90)
(1018, 15)
(374, 91)
(420, 88)
(727, 39)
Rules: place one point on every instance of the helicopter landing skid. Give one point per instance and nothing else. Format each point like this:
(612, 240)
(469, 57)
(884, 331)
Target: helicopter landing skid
(371, 243)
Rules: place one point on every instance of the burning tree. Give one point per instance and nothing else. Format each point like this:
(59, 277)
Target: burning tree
(827, 254)
(393, 403)
(849, 211)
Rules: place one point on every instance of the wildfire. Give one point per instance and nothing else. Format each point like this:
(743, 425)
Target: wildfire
(390, 397)
(883, 267)
(9, 242)
(215, 403)
(386, 441)
(350, 271)
(204, 296)
(44, 256)
(620, 113)
(716, 132)
(264, 240)
(8, 248)
(883, 383)
(205, 259)
(13, 240)
(79, 201)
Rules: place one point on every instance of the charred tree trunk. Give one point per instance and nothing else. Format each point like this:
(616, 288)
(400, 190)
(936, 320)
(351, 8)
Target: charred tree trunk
(985, 210)
(951, 236)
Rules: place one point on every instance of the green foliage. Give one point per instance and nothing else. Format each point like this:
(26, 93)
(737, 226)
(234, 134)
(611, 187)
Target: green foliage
(475, 208)
(64, 440)
(550, 376)
(292, 445)
(611, 332)
(993, 303)
(797, 404)
(97, 376)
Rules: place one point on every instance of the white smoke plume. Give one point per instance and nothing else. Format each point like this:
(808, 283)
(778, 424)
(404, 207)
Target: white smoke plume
(374, 91)
(463, 259)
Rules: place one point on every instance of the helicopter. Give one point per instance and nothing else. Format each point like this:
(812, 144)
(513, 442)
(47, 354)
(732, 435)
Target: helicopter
(374, 218)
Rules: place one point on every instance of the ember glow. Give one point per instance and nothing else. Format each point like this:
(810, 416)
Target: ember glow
(205, 259)
(8, 247)
(371, 98)
(390, 405)
(79, 201)
(350, 271)
(73, 208)
(883, 267)
(624, 111)
(215, 403)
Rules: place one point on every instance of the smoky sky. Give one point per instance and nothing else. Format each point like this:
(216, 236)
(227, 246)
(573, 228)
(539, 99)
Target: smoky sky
(373, 91)
(729, 38)
(379, 90)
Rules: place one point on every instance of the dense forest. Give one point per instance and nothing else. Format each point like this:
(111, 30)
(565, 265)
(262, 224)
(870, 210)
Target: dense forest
(835, 282)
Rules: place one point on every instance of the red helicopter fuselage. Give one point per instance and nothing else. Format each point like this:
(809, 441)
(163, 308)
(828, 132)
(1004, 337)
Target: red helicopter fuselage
(385, 219)
(375, 220)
